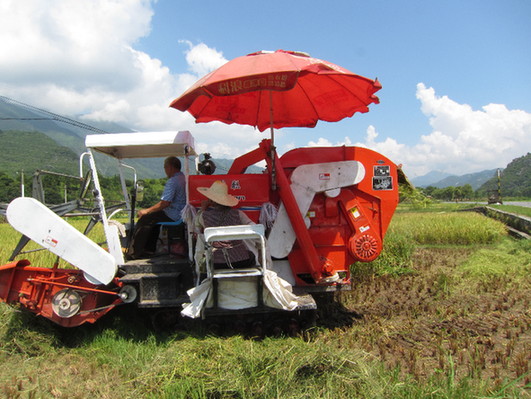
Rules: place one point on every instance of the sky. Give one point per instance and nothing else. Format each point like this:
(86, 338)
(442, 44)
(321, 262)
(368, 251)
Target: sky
(456, 74)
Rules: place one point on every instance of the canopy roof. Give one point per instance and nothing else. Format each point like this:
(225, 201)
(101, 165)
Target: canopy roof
(143, 145)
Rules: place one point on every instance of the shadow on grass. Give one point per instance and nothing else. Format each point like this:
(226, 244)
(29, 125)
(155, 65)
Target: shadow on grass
(29, 334)
(32, 335)
(332, 313)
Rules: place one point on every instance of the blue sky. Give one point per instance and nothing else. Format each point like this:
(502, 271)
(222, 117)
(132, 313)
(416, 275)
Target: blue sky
(455, 74)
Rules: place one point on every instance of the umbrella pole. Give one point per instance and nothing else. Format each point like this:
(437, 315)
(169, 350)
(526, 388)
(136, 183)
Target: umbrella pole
(271, 118)
(273, 150)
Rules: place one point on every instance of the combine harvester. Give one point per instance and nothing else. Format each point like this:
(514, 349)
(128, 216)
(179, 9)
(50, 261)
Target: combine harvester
(317, 211)
(334, 206)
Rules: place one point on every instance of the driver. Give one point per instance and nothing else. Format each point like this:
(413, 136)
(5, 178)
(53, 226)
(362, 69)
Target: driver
(168, 209)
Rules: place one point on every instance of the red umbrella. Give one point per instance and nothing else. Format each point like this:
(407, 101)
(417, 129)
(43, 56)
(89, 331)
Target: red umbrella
(278, 89)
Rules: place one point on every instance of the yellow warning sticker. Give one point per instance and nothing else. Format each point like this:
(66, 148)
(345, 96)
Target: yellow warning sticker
(355, 212)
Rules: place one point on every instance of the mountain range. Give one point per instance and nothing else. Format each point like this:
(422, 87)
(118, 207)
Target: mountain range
(442, 180)
(429, 178)
(32, 138)
(515, 179)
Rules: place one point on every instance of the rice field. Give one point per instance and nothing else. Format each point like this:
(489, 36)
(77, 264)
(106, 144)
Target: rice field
(447, 228)
(443, 313)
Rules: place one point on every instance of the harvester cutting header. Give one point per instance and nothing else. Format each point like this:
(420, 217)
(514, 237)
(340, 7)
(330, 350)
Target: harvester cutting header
(312, 214)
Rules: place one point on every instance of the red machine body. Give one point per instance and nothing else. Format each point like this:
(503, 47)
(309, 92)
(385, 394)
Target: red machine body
(346, 226)
(350, 226)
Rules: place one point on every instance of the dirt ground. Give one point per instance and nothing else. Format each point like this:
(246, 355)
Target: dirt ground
(429, 321)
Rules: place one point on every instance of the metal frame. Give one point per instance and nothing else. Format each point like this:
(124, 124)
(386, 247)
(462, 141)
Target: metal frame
(254, 232)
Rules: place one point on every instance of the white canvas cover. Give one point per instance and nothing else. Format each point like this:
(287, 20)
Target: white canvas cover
(143, 145)
(241, 292)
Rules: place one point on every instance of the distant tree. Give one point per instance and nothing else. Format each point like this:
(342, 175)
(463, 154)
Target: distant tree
(429, 191)
(446, 193)
(111, 188)
(57, 189)
(467, 192)
(457, 194)
(411, 195)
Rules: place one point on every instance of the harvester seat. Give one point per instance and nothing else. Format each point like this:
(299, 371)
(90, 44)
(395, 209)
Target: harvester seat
(173, 233)
(254, 234)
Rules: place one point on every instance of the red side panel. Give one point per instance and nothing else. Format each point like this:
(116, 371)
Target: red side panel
(349, 227)
(344, 229)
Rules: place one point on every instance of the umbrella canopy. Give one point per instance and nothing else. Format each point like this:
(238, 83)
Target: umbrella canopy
(278, 89)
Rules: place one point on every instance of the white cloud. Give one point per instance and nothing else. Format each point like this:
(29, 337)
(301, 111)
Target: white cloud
(78, 58)
(58, 40)
(462, 140)
(202, 59)
(321, 142)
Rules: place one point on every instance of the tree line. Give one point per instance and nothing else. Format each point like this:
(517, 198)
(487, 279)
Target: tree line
(422, 196)
(450, 193)
(57, 190)
(60, 189)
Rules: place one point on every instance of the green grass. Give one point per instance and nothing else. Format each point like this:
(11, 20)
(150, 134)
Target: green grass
(457, 206)
(111, 365)
(122, 357)
(409, 230)
(509, 257)
(395, 259)
(518, 210)
(433, 207)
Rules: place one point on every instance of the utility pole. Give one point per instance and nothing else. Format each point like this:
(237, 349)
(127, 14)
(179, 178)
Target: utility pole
(499, 187)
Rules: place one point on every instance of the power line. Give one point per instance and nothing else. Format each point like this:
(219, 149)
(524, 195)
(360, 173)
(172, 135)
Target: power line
(49, 116)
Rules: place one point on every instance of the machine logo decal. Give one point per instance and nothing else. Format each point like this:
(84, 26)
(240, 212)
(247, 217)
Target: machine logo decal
(384, 170)
(382, 183)
(382, 179)
(51, 241)
(324, 176)
(235, 185)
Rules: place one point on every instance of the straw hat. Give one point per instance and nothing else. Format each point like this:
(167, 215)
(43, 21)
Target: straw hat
(219, 193)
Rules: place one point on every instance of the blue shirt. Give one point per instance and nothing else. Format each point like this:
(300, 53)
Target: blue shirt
(175, 193)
